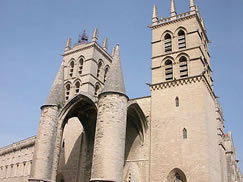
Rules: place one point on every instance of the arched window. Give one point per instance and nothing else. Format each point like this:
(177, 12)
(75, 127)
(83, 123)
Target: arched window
(71, 67)
(176, 175)
(168, 70)
(67, 93)
(181, 39)
(183, 67)
(184, 133)
(80, 67)
(97, 88)
(106, 72)
(177, 102)
(77, 87)
(99, 69)
(168, 43)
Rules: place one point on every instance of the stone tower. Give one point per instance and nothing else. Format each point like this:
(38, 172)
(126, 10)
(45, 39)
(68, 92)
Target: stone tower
(185, 134)
(74, 93)
(109, 147)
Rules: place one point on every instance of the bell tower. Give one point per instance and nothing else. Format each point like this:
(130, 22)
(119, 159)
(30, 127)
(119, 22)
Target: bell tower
(86, 65)
(184, 141)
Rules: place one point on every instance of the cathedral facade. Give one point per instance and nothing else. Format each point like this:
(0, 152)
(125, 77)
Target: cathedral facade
(90, 130)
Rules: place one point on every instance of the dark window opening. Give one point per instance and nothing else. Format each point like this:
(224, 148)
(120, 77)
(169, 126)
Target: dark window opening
(68, 87)
(77, 86)
(168, 70)
(181, 39)
(80, 69)
(168, 43)
(99, 69)
(184, 133)
(71, 69)
(183, 67)
(177, 102)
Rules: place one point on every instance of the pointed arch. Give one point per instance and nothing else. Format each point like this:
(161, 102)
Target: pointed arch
(80, 64)
(97, 89)
(176, 175)
(71, 65)
(67, 90)
(106, 72)
(100, 64)
(183, 67)
(181, 39)
(77, 85)
(82, 108)
(168, 42)
(168, 65)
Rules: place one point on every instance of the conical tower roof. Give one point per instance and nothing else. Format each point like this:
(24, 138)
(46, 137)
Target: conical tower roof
(56, 94)
(115, 82)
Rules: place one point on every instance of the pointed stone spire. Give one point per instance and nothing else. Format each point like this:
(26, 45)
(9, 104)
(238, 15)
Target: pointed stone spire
(105, 44)
(192, 5)
(95, 35)
(68, 44)
(114, 82)
(113, 52)
(155, 15)
(56, 94)
(172, 8)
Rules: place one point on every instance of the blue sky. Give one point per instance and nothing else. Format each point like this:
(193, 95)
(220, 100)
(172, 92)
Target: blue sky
(33, 35)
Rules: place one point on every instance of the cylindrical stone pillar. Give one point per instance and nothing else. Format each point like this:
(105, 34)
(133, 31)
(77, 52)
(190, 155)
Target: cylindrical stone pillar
(109, 147)
(42, 165)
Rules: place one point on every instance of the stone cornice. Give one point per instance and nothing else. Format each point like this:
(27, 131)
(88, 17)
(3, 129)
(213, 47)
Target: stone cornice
(29, 142)
(89, 45)
(178, 82)
(172, 20)
(180, 17)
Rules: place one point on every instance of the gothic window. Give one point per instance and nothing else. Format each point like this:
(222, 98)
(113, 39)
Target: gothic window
(106, 72)
(184, 133)
(181, 39)
(176, 175)
(177, 101)
(99, 69)
(80, 67)
(168, 70)
(77, 87)
(71, 67)
(97, 88)
(183, 67)
(67, 92)
(168, 43)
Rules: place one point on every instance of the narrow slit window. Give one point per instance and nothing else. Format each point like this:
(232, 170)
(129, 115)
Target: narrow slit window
(183, 67)
(80, 68)
(99, 69)
(67, 93)
(184, 133)
(77, 87)
(168, 43)
(106, 72)
(71, 68)
(181, 39)
(168, 70)
(177, 102)
(97, 88)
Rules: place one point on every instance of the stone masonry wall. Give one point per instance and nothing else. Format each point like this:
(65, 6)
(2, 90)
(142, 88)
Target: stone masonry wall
(16, 161)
